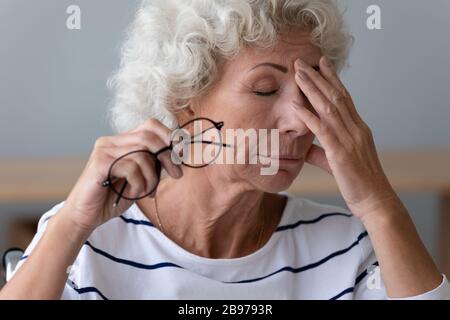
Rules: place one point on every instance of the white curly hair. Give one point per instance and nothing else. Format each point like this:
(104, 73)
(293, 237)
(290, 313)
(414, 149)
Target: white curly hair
(173, 47)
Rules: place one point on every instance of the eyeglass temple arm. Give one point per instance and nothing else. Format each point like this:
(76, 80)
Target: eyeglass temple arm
(213, 143)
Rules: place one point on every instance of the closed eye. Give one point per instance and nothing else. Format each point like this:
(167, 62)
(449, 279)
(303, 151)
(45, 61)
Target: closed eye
(264, 94)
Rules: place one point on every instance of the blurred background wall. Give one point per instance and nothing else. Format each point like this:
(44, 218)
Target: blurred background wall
(53, 98)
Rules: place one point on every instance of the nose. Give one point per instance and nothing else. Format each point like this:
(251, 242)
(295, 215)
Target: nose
(289, 121)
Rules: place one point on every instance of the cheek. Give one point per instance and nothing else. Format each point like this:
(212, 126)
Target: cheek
(255, 115)
(250, 110)
(245, 119)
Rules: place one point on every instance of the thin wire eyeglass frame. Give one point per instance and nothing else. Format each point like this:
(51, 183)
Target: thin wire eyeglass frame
(109, 182)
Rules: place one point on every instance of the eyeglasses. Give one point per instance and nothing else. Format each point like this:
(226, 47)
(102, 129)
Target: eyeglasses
(195, 144)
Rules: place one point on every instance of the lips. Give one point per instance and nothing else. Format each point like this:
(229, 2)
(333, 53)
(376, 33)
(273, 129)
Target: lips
(287, 158)
(281, 157)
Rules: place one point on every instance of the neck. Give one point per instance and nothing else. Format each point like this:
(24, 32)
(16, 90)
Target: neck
(214, 220)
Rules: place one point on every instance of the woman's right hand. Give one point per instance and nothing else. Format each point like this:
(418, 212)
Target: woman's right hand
(89, 204)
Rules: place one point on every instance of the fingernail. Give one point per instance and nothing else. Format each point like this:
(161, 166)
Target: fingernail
(331, 110)
(301, 64)
(302, 75)
(327, 62)
(177, 172)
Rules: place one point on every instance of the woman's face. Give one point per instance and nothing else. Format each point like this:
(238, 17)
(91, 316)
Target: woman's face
(255, 91)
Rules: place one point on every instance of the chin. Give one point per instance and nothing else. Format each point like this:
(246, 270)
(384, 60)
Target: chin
(278, 182)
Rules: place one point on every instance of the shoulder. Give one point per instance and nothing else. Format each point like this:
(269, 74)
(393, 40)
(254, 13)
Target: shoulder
(42, 224)
(128, 218)
(304, 211)
(323, 224)
(119, 234)
(122, 238)
(127, 241)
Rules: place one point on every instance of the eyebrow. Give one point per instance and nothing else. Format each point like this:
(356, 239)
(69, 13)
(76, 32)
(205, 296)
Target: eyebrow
(278, 67)
(272, 65)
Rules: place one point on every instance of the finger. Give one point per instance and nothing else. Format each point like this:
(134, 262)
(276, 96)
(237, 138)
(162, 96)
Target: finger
(316, 157)
(157, 127)
(329, 72)
(172, 169)
(129, 170)
(321, 130)
(145, 160)
(150, 140)
(144, 138)
(327, 111)
(330, 91)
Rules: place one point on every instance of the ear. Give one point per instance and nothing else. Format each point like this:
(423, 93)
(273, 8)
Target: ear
(185, 114)
(189, 111)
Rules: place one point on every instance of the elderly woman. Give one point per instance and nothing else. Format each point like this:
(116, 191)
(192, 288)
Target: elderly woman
(226, 231)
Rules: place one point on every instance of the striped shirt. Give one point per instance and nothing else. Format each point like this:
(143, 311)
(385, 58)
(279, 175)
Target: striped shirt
(318, 251)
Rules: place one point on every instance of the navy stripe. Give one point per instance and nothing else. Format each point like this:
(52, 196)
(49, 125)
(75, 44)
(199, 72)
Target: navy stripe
(169, 264)
(44, 223)
(133, 263)
(358, 280)
(300, 222)
(309, 266)
(363, 274)
(137, 222)
(280, 228)
(90, 289)
(81, 290)
(348, 290)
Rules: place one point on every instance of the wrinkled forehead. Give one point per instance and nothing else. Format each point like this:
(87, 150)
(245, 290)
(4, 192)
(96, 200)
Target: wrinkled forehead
(289, 47)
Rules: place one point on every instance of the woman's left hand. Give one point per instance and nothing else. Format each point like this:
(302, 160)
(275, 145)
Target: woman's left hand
(349, 152)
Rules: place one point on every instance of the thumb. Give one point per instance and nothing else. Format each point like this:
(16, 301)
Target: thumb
(316, 157)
